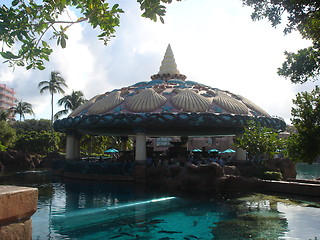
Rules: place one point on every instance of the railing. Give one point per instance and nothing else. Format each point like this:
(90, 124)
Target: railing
(7, 95)
(3, 87)
(7, 101)
(102, 168)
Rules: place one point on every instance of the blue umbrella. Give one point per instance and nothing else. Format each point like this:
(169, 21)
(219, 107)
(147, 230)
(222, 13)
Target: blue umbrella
(213, 150)
(196, 150)
(229, 151)
(111, 150)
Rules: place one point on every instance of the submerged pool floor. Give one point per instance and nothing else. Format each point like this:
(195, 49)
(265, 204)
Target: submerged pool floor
(158, 218)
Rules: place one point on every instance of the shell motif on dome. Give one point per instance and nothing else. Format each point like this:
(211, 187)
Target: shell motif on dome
(189, 101)
(106, 104)
(84, 106)
(145, 101)
(176, 90)
(253, 106)
(212, 93)
(124, 92)
(158, 90)
(230, 104)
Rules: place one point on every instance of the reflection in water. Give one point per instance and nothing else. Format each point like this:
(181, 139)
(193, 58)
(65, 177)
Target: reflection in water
(257, 217)
(303, 222)
(73, 209)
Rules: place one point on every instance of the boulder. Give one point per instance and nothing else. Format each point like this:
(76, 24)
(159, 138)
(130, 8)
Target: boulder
(194, 177)
(157, 176)
(47, 160)
(231, 183)
(231, 170)
(284, 165)
(212, 169)
(174, 170)
(245, 168)
(17, 160)
(251, 169)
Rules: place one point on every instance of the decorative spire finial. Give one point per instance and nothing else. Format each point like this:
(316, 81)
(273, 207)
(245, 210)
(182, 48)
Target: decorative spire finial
(168, 69)
(168, 64)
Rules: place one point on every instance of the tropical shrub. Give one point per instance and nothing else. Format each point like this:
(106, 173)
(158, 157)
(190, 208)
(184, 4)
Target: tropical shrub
(2, 148)
(268, 175)
(7, 135)
(32, 141)
(260, 142)
(32, 125)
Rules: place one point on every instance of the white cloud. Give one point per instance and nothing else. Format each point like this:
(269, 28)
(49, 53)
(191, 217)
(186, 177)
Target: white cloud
(214, 43)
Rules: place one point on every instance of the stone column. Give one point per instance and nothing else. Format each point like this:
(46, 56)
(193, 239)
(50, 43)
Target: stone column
(70, 147)
(241, 155)
(73, 147)
(77, 147)
(140, 174)
(141, 152)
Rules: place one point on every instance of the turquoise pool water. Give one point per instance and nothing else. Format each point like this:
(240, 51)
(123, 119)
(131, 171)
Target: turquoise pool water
(73, 209)
(308, 171)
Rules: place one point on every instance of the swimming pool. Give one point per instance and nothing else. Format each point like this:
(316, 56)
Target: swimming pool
(76, 209)
(308, 171)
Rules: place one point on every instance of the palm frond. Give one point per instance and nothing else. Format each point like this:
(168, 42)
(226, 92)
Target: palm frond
(60, 113)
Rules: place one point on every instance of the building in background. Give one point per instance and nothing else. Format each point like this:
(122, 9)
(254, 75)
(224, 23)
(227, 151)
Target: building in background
(7, 98)
(220, 143)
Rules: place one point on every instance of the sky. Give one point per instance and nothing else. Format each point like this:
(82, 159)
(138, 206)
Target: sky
(214, 42)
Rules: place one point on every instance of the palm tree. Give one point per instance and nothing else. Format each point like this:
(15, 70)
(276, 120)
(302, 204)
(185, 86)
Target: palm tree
(70, 102)
(22, 108)
(54, 85)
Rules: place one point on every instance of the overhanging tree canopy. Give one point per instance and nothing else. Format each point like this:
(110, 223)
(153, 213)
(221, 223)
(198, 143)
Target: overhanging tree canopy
(25, 22)
(303, 16)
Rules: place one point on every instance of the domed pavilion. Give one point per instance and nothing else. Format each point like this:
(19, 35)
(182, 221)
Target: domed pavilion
(168, 105)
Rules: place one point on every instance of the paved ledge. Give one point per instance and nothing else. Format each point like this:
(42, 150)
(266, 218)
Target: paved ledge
(17, 204)
(99, 177)
(312, 181)
(300, 188)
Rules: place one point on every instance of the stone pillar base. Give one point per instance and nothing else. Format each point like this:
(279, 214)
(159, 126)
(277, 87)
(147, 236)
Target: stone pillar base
(17, 205)
(141, 149)
(73, 147)
(21, 230)
(241, 155)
